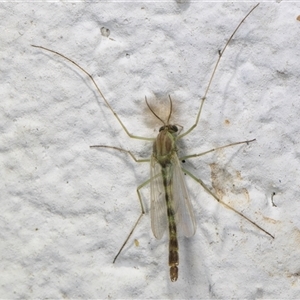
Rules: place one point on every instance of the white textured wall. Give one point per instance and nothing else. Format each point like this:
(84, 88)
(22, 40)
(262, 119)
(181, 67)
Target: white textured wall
(66, 208)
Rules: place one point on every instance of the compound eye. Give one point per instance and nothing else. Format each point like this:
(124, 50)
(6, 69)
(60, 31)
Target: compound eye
(161, 128)
(174, 128)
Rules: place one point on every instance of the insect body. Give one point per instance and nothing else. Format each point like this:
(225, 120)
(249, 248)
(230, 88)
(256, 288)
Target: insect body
(170, 204)
(169, 193)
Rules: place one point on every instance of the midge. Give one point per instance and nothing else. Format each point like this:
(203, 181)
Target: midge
(170, 203)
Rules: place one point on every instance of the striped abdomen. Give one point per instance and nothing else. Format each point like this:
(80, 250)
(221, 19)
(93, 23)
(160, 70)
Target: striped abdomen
(167, 173)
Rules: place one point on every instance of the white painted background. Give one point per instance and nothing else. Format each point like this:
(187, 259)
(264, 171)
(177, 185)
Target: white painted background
(66, 208)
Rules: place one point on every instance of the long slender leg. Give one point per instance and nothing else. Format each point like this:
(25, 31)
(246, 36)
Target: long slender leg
(99, 91)
(122, 150)
(214, 149)
(213, 74)
(138, 219)
(138, 192)
(225, 204)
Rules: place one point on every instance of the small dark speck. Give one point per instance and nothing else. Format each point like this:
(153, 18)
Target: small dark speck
(105, 31)
(183, 161)
(272, 200)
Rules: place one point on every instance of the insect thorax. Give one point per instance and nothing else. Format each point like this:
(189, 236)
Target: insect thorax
(164, 145)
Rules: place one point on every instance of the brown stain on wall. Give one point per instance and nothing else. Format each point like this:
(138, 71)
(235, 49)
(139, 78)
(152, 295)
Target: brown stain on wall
(228, 184)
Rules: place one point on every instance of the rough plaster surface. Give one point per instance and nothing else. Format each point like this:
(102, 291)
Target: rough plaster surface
(66, 209)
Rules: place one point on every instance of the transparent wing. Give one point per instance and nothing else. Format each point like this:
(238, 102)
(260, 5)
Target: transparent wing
(184, 215)
(158, 208)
